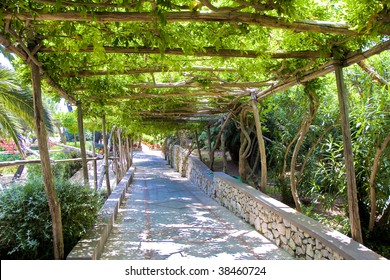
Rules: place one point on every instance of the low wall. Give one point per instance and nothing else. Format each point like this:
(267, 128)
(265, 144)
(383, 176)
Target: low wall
(301, 236)
(91, 245)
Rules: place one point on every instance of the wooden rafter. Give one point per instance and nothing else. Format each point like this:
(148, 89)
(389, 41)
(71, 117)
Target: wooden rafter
(25, 57)
(321, 71)
(194, 84)
(243, 17)
(89, 73)
(207, 51)
(181, 94)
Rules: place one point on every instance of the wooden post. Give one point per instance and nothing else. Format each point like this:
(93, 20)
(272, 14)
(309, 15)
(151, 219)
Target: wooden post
(106, 171)
(52, 199)
(127, 153)
(211, 153)
(260, 141)
(95, 180)
(82, 143)
(354, 217)
(120, 155)
(131, 150)
(114, 155)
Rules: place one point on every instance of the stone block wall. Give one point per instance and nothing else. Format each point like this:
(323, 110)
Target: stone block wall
(301, 236)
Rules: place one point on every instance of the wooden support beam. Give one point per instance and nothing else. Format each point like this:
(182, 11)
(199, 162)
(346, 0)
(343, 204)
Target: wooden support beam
(82, 142)
(321, 71)
(205, 52)
(38, 161)
(106, 171)
(51, 195)
(354, 217)
(25, 57)
(239, 17)
(95, 179)
(90, 73)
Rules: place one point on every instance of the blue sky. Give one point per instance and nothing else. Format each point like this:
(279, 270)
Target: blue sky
(4, 61)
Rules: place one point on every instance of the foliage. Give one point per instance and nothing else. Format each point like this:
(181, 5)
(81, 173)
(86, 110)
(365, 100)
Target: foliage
(62, 171)
(16, 107)
(25, 224)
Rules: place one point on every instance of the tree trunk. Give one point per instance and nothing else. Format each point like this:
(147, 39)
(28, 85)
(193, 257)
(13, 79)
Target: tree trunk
(95, 179)
(288, 149)
(198, 145)
(224, 160)
(219, 137)
(260, 141)
(354, 217)
(52, 199)
(82, 143)
(211, 153)
(245, 147)
(374, 170)
(62, 135)
(106, 171)
(303, 131)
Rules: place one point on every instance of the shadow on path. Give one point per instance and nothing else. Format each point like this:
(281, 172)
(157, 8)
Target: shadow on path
(164, 216)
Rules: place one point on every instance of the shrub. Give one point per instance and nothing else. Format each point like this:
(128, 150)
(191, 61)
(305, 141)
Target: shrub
(25, 222)
(60, 170)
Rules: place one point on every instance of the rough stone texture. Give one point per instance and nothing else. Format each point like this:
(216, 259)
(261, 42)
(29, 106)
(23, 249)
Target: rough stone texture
(300, 235)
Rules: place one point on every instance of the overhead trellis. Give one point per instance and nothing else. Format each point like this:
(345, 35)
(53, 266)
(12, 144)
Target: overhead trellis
(176, 61)
(104, 52)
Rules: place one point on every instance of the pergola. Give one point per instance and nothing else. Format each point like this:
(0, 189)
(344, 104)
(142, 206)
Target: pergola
(185, 61)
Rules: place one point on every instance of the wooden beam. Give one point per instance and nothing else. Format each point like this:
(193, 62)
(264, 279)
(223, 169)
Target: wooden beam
(106, 151)
(323, 70)
(51, 195)
(194, 84)
(25, 57)
(372, 73)
(354, 217)
(244, 17)
(206, 51)
(181, 94)
(80, 126)
(38, 161)
(89, 73)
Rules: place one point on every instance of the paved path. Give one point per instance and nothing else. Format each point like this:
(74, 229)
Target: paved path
(165, 216)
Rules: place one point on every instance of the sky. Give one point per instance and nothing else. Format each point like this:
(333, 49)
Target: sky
(4, 62)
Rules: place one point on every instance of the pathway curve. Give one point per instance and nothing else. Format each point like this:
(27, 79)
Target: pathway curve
(164, 216)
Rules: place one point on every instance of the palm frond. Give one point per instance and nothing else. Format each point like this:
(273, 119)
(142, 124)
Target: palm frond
(19, 101)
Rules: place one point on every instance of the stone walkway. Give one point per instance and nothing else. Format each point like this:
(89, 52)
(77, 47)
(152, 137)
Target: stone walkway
(164, 216)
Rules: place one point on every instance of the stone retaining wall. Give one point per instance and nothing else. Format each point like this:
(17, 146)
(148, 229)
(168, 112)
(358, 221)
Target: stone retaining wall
(301, 236)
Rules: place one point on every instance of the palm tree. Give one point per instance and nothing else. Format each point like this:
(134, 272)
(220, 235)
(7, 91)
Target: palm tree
(16, 106)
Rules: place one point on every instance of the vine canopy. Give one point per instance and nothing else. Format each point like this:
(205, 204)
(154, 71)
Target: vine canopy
(176, 62)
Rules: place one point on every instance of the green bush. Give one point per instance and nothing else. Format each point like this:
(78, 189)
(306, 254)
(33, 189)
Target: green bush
(25, 222)
(9, 157)
(63, 170)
